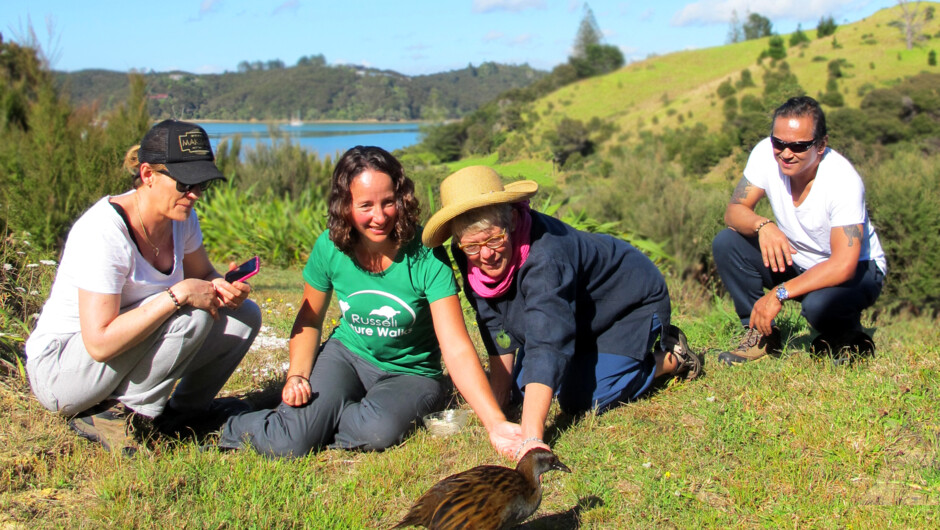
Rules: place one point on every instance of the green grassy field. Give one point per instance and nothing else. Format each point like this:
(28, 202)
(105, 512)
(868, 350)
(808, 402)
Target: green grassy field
(680, 88)
(790, 441)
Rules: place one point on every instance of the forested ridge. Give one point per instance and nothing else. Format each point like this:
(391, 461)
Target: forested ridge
(311, 90)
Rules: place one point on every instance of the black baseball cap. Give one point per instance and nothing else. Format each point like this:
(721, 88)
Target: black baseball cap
(183, 148)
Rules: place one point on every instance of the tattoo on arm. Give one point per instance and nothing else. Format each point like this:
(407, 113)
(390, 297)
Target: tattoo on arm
(853, 233)
(741, 190)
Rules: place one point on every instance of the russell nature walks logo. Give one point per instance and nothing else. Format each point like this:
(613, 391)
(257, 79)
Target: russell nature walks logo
(377, 314)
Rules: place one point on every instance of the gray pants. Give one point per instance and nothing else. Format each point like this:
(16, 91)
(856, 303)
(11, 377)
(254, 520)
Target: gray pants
(355, 405)
(190, 347)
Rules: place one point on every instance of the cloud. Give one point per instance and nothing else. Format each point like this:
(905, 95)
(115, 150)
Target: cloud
(525, 38)
(290, 6)
(493, 35)
(515, 6)
(646, 15)
(208, 6)
(710, 12)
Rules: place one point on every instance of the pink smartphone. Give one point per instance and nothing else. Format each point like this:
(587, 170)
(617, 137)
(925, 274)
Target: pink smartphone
(244, 271)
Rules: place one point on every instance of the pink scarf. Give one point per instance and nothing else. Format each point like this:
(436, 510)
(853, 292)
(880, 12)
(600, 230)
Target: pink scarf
(488, 287)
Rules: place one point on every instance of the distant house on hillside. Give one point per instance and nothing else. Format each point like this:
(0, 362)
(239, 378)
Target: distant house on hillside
(158, 96)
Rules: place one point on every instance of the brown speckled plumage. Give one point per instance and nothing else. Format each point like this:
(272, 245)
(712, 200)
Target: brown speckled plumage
(485, 497)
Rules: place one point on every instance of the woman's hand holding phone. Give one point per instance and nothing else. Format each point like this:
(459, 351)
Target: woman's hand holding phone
(232, 289)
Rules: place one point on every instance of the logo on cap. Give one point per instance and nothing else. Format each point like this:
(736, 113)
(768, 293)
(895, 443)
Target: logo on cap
(194, 142)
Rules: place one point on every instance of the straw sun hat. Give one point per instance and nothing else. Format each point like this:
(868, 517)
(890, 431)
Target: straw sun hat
(469, 188)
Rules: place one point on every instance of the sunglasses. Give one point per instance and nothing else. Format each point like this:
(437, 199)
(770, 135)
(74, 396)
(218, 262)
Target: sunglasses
(493, 243)
(794, 147)
(186, 188)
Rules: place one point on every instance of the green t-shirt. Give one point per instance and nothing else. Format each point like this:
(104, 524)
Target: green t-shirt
(387, 315)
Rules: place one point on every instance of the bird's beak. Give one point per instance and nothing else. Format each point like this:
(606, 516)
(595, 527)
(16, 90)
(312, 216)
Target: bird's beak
(560, 467)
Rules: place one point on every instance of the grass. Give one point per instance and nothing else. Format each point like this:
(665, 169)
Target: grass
(790, 441)
(537, 170)
(684, 84)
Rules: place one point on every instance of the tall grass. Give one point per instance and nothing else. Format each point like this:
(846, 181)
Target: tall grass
(280, 229)
(26, 274)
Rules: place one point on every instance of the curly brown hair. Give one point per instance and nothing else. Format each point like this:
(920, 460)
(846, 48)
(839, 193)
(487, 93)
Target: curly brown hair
(350, 165)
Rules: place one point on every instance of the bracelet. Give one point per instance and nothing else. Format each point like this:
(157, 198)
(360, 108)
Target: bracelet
(176, 302)
(300, 376)
(524, 442)
(761, 225)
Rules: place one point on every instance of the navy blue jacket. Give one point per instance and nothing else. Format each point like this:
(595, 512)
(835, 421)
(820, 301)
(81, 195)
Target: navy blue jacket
(577, 294)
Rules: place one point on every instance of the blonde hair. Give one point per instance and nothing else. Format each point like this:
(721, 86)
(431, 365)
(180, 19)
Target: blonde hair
(132, 165)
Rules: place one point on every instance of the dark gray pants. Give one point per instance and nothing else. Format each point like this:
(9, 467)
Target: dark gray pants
(832, 310)
(355, 405)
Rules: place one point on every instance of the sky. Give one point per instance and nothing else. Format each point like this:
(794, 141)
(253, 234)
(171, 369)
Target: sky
(413, 37)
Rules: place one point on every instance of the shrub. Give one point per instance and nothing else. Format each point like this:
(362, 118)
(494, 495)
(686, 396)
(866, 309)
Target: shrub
(827, 26)
(932, 58)
(798, 37)
(904, 203)
(725, 89)
(280, 229)
(730, 109)
(777, 50)
(25, 278)
(747, 80)
(57, 160)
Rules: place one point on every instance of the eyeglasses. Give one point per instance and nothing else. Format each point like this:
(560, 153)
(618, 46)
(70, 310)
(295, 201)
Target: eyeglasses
(794, 147)
(493, 243)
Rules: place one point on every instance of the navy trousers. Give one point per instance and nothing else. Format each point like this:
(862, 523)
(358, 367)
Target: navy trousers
(832, 310)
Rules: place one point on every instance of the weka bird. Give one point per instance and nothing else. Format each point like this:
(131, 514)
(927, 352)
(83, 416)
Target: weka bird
(485, 497)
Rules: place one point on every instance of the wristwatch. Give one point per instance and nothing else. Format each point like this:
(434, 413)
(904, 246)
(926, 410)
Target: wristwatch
(782, 294)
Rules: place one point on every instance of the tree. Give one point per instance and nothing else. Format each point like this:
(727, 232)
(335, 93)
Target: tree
(735, 30)
(827, 26)
(589, 33)
(590, 56)
(600, 59)
(757, 26)
(777, 50)
(909, 23)
(798, 37)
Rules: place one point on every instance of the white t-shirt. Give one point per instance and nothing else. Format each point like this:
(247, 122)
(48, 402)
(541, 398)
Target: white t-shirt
(101, 257)
(837, 198)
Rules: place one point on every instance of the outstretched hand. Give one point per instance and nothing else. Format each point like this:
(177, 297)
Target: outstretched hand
(506, 437)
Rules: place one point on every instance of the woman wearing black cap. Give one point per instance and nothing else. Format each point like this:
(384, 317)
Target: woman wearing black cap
(137, 306)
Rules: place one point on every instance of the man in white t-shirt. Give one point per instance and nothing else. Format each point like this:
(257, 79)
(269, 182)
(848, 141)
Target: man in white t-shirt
(819, 249)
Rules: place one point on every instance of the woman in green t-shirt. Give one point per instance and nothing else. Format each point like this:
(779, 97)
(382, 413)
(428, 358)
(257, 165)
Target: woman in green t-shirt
(380, 370)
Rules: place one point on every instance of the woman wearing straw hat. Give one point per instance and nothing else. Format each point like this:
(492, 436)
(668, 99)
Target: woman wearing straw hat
(562, 312)
(379, 372)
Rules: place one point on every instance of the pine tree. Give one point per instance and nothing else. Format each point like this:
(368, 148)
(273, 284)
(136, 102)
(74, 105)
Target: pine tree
(589, 33)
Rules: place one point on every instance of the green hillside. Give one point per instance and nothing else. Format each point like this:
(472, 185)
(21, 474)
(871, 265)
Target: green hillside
(311, 90)
(680, 88)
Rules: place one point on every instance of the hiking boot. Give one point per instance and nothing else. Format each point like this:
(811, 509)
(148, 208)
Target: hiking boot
(691, 364)
(845, 348)
(754, 346)
(117, 429)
